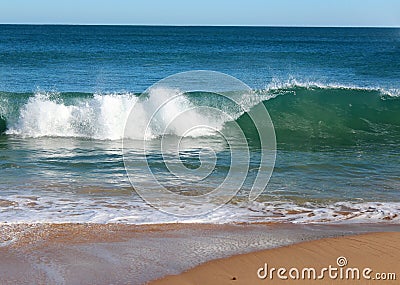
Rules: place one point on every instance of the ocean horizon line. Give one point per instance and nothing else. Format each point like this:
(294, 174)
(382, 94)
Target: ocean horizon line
(199, 25)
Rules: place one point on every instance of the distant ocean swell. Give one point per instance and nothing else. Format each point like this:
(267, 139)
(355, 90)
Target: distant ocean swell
(303, 114)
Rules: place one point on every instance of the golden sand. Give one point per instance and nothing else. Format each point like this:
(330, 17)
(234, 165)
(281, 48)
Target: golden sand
(379, 252)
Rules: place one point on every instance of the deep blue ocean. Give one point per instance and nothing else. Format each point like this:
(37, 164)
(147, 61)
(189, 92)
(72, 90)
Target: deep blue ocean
(333, 96)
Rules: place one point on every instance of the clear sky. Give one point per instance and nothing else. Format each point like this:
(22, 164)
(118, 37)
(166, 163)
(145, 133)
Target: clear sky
(204, 12)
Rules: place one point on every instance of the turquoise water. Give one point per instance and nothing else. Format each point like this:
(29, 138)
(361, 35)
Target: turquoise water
(332, 94)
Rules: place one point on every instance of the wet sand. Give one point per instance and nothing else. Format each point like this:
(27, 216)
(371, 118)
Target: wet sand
(359, 259)
(129, 254)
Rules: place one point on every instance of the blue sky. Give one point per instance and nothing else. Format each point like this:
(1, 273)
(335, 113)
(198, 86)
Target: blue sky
(204, 12)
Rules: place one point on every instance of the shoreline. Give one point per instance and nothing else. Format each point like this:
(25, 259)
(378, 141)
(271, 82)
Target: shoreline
(137, 254)
(354, 259)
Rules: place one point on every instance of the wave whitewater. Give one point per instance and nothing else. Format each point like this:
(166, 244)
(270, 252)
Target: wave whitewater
(302, 114)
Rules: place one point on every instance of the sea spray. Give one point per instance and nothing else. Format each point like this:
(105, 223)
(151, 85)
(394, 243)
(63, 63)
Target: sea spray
(304, 114)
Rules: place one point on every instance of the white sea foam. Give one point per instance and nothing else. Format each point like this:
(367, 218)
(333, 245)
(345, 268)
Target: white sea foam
(103, 116)
(277, 84)
(134, 211)
(100, 117)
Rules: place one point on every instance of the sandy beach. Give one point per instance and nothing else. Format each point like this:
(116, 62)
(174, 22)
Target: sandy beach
(199, 142)
(206, 253)
(359, 259)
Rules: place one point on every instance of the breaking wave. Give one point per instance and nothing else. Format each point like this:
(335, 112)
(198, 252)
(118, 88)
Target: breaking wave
(303, 114)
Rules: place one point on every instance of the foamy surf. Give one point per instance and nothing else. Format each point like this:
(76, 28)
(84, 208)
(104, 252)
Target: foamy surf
(131, 210)
(335, 142)
(103, 116)
(99, 117)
